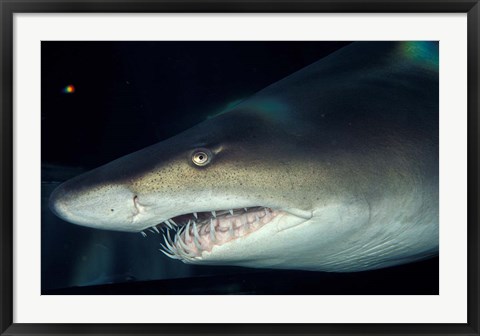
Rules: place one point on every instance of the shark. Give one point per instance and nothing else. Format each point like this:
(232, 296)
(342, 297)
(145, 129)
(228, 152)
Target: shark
(333, 168)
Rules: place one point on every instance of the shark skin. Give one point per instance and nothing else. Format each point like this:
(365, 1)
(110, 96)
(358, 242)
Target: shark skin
(333, 168)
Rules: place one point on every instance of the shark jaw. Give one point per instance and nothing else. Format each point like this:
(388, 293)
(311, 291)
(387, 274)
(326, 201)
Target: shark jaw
(196, 237)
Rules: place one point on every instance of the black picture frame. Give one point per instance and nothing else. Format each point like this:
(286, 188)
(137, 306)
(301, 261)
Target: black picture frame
(9, 7)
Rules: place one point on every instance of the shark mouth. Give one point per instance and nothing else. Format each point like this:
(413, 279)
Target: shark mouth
(198, 232)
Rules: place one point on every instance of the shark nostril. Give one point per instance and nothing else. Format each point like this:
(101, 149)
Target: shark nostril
(138, 207)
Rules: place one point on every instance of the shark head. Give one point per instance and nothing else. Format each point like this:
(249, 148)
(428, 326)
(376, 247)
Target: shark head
(217, 188)
(297, 176)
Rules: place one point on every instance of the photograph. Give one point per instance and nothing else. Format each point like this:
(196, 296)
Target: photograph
(240, 167)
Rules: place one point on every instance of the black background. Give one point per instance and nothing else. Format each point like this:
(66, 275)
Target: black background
(132, 94)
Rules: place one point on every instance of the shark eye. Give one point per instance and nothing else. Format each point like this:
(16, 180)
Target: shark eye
(201, 157)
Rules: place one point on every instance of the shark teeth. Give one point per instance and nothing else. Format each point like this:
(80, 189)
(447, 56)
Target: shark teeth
(196, 237)
(213, 238)
(202, 232)
(167, 223)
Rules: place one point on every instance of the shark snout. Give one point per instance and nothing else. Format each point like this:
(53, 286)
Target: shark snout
(108, 206)
(57, 202)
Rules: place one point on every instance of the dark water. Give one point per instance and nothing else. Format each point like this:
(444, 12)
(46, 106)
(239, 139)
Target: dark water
(129, 95)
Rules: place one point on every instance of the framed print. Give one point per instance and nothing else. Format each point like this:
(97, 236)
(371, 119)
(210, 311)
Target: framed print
(239, 167)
